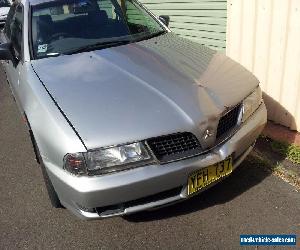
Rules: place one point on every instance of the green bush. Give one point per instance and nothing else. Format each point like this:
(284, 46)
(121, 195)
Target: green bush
(290, 151)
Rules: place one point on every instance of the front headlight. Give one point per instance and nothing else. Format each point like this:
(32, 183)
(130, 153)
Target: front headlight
(251, 103)
(107, 160)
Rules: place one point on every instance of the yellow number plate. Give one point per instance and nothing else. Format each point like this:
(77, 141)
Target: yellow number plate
(205, 176)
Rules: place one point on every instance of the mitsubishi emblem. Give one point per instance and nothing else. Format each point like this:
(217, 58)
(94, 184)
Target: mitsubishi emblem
(207, 134)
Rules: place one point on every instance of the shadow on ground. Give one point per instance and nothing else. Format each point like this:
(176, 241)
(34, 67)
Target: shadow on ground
(249, 174)
(264, 147)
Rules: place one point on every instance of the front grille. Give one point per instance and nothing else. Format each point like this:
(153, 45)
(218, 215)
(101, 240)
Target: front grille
(228, 121)
(175, 146)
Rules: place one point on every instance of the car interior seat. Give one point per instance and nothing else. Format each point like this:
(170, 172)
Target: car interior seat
(42, 28)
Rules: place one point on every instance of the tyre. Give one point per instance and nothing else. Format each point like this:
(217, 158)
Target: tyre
(53, 197)
(55, 202)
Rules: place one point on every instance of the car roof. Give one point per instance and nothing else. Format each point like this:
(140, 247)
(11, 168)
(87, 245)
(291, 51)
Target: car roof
(32, 2)
(35, 2)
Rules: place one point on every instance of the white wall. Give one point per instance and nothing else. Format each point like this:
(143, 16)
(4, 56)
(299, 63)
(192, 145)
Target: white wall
(264, 36)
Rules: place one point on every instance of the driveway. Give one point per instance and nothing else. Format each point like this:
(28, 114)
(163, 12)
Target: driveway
(249, 201)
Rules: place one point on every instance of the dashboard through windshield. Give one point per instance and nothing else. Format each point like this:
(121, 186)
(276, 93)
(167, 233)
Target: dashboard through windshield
(4, 3)
(72, 26)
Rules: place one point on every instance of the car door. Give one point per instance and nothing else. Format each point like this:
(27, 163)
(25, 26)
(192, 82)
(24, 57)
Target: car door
(13, 33)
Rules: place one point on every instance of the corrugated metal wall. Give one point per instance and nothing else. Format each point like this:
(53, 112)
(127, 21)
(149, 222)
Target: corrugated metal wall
(203, 21)
(264, 36)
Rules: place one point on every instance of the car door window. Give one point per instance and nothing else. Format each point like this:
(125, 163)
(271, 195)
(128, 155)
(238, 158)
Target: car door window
(14, 29)
(139, 20)
(9, 19)
(108, 7)
(17, 31)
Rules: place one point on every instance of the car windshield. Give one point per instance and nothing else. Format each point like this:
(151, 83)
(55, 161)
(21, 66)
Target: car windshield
(4, 3)
(73, 26)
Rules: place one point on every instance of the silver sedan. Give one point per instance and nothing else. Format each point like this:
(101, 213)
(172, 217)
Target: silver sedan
(123, 114)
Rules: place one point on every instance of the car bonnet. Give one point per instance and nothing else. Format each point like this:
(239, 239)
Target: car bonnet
(154, 87)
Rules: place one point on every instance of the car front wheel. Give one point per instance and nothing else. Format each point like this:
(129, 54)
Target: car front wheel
(53, 197)
(55, 202)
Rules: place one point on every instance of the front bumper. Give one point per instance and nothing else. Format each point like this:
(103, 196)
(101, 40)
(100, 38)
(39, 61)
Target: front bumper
(134, 190)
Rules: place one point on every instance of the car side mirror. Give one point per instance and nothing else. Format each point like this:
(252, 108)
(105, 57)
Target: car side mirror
(6, 52)
(165, 19)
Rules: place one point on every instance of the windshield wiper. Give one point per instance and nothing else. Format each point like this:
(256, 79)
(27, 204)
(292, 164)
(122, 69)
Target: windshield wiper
(53, 54)
(151, 36)
(94, 46)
